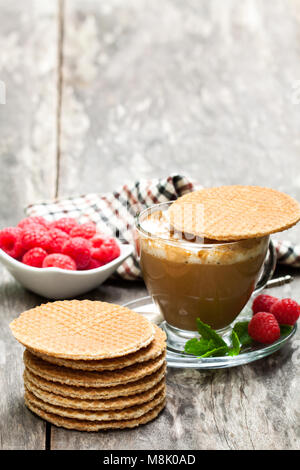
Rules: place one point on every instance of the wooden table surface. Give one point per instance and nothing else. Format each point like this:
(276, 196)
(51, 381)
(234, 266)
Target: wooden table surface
(103, 92)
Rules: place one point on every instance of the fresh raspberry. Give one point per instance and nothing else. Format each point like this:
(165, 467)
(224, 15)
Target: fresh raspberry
(98, 239)
(263, 303)
(57, 240)
(11, 241)
(94, 263)
(37, 220)
(108, 251)
(87, 230)
(58, 260)
(35, 236)
(65, 224)
(286, 311)
(263, 327)
(34, 257)
(80, 250)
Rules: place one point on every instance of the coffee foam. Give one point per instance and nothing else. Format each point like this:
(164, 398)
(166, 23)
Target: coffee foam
(165, 244)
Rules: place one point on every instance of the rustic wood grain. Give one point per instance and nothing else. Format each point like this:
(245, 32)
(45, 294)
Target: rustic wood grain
(143, 89)
(195, 87)
(154, 87)
(28, 36)
(205, 89)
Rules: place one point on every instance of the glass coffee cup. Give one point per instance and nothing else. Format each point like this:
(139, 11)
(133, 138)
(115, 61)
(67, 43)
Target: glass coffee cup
(189, 279)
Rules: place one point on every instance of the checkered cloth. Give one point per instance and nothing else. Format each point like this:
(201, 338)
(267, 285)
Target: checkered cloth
(114, 213)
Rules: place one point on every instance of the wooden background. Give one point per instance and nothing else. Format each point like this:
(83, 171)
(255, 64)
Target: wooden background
(103, 92)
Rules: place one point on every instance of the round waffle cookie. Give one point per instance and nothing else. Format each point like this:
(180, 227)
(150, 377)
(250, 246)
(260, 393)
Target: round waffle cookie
(84, 425)
(153, 350)
(68, 376)
(106, 404)
(234, 212)
(90, 415)
(97, 393)
(82, 330)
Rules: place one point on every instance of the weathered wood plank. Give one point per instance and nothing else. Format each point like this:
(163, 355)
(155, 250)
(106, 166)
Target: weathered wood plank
(28, 43)
(205, 89)
(170, 86)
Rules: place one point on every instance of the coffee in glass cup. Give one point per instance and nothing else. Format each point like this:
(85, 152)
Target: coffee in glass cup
(188, 279)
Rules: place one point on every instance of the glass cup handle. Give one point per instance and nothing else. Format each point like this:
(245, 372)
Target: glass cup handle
(268, 269)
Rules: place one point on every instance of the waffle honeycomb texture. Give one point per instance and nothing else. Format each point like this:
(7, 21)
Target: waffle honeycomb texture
(97, 393)
(104, 404)
(236, 212)
(82, 330)
(153, 350)
(94, 415)
(94, 426)
(67, 376)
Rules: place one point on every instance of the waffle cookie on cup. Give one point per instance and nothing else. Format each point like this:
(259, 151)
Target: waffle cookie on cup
(92, 365)
(237, 212)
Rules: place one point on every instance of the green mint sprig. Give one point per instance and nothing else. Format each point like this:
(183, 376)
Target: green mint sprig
(212, 344)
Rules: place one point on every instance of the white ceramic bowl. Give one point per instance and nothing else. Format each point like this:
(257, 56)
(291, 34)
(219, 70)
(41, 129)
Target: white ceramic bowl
(56, 283)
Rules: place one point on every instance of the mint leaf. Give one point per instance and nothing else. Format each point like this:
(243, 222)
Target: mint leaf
(208, 333)
(209, 344)
(236, 347)
(212, 344)
(285, 330)
(241, 329)
(198, 347)
(221, 351)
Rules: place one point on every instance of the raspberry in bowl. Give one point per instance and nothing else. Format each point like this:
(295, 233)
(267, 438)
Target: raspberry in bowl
(60, 259)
